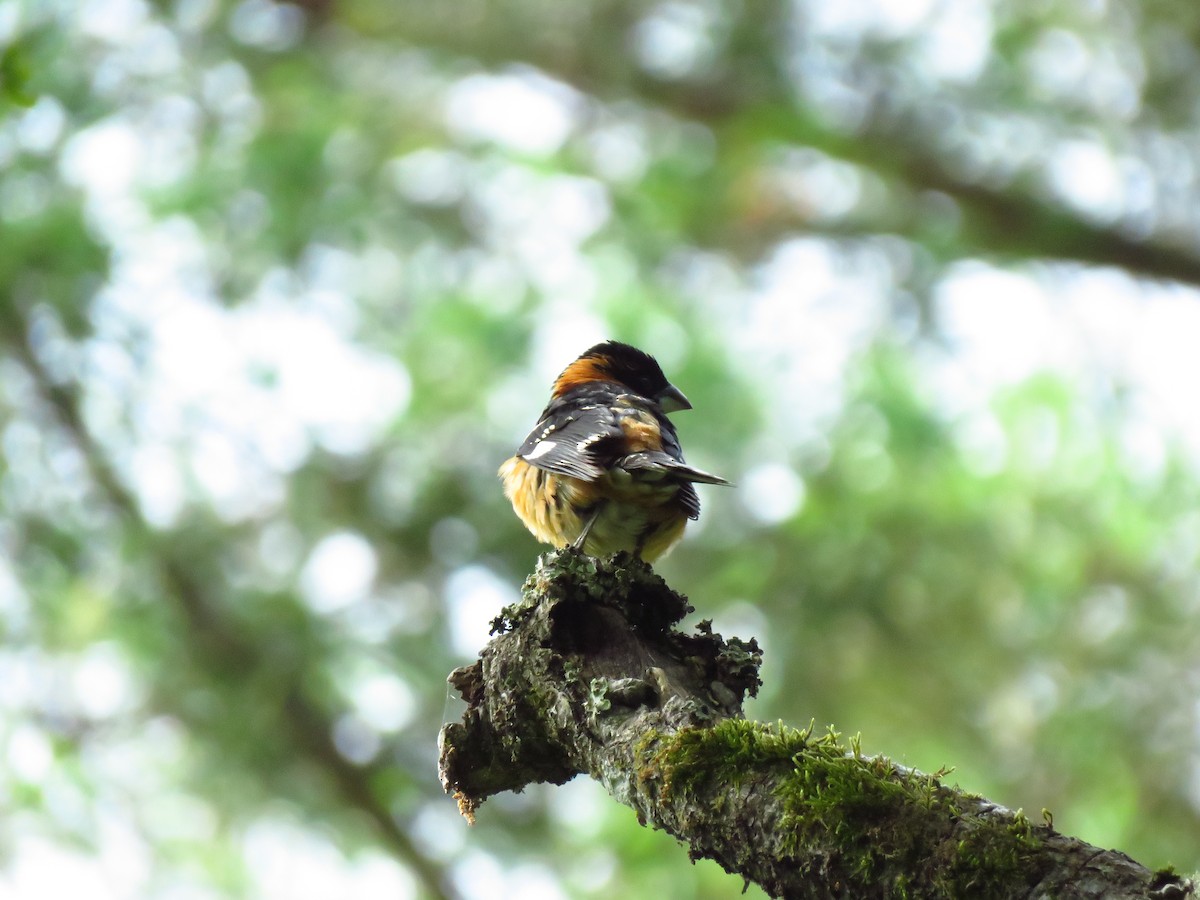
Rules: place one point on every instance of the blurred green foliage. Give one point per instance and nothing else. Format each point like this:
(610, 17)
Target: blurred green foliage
(282, 284)
(14, 76)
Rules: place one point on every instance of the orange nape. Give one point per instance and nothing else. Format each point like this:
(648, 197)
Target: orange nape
(584, 370)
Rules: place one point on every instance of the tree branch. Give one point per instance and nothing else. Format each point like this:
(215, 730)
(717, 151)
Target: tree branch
(589, 676)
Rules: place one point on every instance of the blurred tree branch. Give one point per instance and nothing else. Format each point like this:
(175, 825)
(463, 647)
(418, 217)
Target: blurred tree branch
(218, 646)
(590, 677)
(751, 93)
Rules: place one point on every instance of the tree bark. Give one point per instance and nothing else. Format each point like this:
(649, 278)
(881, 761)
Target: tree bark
(588, 675)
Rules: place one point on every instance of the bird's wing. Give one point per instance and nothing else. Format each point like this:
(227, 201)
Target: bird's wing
(573, 440)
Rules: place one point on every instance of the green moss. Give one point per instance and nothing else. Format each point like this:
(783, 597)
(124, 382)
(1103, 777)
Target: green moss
(880, 819)
(725, 753)
(992, 854)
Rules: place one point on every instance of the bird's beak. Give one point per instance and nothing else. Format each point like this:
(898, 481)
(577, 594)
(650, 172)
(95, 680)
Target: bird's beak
(672, 400)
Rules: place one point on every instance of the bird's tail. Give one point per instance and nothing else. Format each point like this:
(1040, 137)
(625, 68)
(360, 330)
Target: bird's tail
(658, 462)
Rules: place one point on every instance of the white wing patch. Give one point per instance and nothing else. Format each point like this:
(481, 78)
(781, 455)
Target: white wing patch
(542, 448)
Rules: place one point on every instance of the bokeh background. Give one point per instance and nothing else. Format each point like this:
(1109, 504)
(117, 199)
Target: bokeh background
(281, 284)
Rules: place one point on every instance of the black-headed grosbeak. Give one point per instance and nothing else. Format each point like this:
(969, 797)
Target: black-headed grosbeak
(603, 470)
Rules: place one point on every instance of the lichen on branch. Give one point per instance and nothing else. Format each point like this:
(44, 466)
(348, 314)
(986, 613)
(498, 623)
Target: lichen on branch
(588, 674)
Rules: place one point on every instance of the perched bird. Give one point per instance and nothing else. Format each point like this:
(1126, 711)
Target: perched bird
(603, 470)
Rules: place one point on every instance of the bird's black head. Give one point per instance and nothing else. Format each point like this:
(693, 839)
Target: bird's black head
(626, 365)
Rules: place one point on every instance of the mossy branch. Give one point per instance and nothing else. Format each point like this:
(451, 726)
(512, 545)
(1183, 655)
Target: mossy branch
(588, 675)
